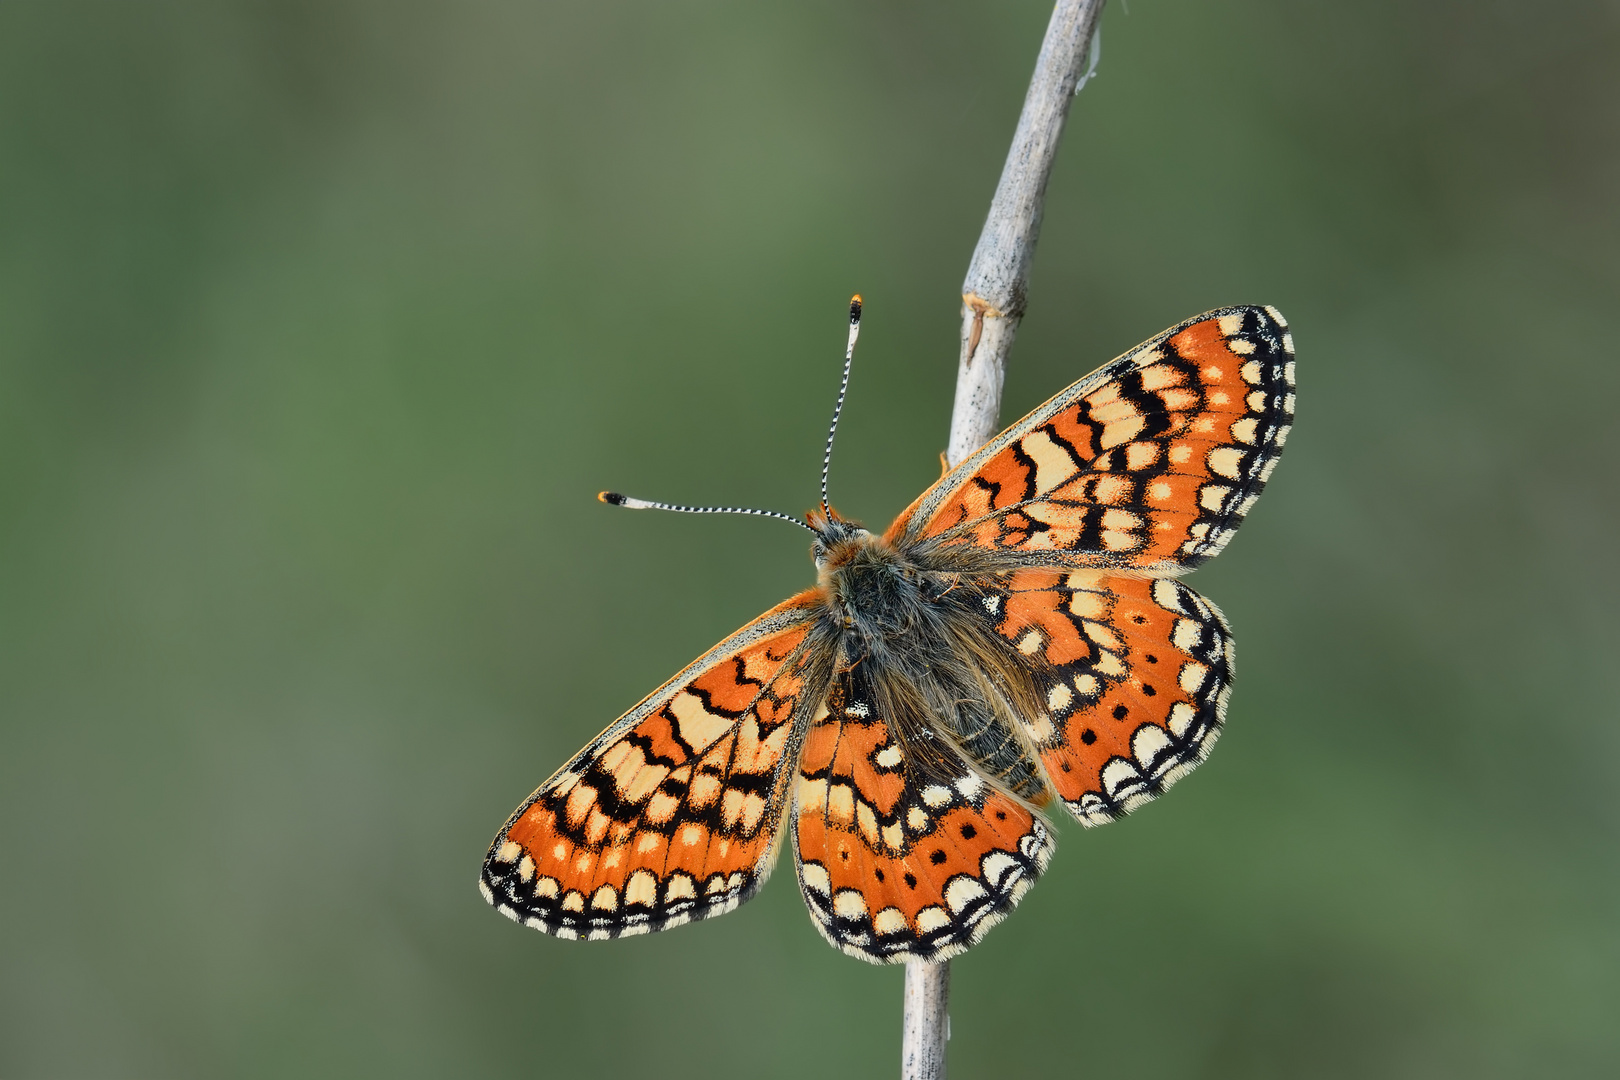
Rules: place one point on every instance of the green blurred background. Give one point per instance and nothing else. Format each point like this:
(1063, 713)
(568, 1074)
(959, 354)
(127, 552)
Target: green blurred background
(321, 324)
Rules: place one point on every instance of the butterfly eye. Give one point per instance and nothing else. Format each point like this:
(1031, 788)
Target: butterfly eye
(818, 554)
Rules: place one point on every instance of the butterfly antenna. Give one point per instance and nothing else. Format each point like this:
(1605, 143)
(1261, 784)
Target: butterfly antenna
(843, 388)
(613, 498)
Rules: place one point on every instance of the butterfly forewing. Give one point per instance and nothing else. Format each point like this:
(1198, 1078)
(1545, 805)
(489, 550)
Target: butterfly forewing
(904, 851)
(1149, 463)
(672, 813)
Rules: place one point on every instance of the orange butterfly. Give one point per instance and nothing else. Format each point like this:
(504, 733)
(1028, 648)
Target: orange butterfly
(1018, 634)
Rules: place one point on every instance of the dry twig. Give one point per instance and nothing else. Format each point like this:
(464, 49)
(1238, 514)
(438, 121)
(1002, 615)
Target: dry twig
(992, 305)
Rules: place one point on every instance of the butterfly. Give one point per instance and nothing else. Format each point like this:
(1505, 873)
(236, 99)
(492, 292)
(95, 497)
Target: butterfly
(1019, 636)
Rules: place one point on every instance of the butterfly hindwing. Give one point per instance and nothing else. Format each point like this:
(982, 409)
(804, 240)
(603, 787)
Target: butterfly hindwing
(1149, 463)
(904, 851)
(1135, 673)
(672, 813)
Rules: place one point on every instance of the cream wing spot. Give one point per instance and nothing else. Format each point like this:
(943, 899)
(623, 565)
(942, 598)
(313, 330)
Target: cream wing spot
(580, 801)
(1147, 744)
(866, 822)
(1166, 595)
(642, 889)
(1181, 717)
(995, 866)
(841, 803)
(753, 811)
(681, 887)
(662, 807)
(617, 755)
(643, 783)
(1226, 461)
(1053, 464)
(889, 921)
(1159, 376)
(1117, 775)
(699, 727)
(1121, 431)
(849, 904)
(705, 788)
(812, 795)
(815, 878)
(1186, 635)
(963, 891)
(1140, 455)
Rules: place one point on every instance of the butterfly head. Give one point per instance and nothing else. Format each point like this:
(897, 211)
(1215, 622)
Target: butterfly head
(836, 538)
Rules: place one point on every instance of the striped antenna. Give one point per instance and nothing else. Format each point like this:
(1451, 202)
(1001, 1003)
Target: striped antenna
(613, 498)
(843, 388)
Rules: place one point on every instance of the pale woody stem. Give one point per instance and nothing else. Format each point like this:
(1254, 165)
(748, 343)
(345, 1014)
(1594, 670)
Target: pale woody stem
(993, 291)
(992, 304)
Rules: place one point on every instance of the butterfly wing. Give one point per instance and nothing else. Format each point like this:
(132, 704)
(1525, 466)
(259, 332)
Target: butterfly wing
(672, 813)
(904, 851)
(1149, 463)
(1135, 673)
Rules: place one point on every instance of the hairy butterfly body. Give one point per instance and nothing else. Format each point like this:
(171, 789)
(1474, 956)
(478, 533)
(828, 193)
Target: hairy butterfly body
(1017, 636)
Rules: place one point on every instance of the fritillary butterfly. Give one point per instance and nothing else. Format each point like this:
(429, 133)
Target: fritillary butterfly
(1019, 635)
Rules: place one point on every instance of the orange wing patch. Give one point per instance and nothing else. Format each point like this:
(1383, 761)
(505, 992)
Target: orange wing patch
(904, 851)
(672, 813)
(1137, 673)
(1151, 462)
